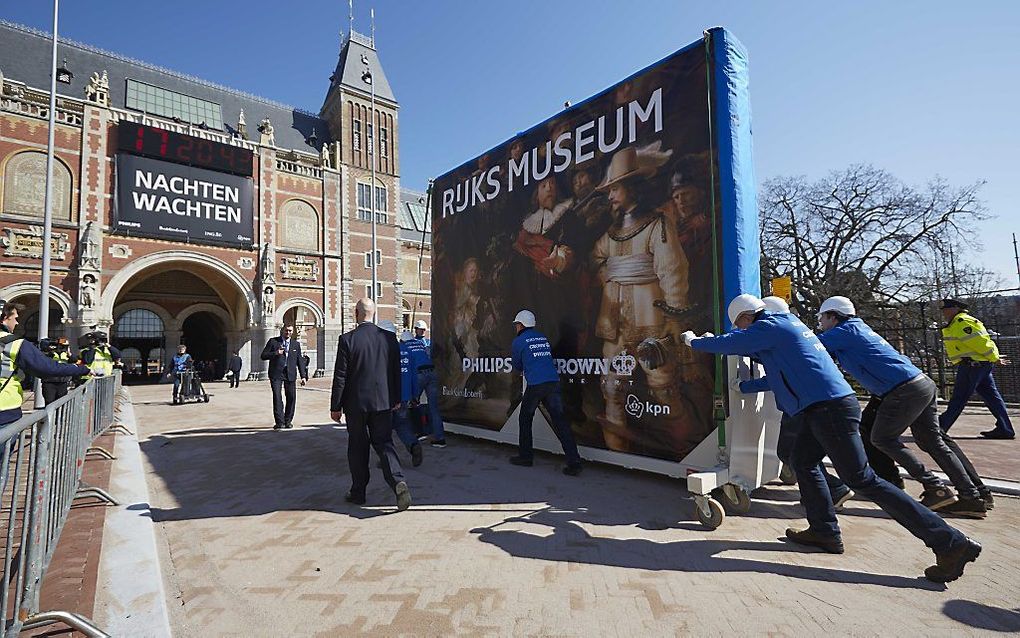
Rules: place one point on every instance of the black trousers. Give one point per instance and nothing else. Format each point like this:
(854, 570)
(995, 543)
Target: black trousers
(880, 462)
(235, 379)
(53, 391)
(373, 430)
(283, 413)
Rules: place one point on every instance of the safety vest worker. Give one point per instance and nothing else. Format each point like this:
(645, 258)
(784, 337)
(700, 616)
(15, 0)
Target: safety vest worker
(972, 351)
(18, 358)
(102, 361)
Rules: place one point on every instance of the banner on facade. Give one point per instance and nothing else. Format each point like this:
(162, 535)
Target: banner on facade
(182, 203)
(600, 221)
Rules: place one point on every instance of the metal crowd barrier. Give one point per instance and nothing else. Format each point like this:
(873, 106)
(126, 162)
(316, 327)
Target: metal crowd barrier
(42, 456)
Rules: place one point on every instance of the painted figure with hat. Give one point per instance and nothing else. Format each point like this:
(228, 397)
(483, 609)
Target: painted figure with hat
(640, 261)
(970, 348)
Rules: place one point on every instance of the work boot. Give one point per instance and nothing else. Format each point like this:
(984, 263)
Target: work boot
(831, 544)
(416, 456)
(966, 508)
(949, 565)
(998, 434)
(573, 469)
(403, 496)
(935, 498)
(522, 461)
(986, 496)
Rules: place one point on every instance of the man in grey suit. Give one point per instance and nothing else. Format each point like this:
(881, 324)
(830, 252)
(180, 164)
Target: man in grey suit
(366, 386)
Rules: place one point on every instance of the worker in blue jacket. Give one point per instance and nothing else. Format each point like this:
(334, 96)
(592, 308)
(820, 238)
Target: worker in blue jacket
(838, 491)
(531, 355)
(409, 393)
(426, 381)
(908, 400)
(811, 386)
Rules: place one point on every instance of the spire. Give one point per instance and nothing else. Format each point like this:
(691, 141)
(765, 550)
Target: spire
(350, 15)
(373, 25)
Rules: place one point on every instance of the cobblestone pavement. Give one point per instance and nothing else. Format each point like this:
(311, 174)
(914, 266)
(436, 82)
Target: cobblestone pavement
(257, 541)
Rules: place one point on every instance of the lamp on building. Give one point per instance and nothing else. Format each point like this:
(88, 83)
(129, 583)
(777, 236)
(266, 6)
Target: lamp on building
(366, 77)
(313, 138)
(64, 75)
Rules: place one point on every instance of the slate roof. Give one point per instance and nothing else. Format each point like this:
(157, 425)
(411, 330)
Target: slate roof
(25, 57)
(412, 216)
(351, 66)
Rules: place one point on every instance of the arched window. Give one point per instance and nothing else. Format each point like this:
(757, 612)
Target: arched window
(25, 186)
(139, 323)
(299, 226)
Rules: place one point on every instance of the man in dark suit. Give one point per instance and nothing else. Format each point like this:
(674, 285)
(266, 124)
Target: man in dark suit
(366, 385)
(235, 370)
(285, 363)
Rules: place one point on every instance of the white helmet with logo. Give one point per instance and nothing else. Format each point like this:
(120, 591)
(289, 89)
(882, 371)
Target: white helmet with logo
(388, 326)
(406, 335)
(526, 318)
(421, 325)
(743, 303)
(842, 305)
(775, 304)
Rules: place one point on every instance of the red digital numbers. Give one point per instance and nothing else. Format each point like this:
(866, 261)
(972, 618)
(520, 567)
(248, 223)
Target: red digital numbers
(184, 149)
(156, 142)
(204, 152)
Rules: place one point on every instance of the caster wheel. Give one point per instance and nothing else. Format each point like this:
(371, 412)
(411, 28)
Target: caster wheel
(205, 398)
(715, 516)
(176, 401)
(737, 500)
(787, 476)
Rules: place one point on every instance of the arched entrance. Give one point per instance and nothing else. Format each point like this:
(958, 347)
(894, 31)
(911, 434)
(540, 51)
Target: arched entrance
(27, 294)
(202, 302)
(204, 334)
(308, 322)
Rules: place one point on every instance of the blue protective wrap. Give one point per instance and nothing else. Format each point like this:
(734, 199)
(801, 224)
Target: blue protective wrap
(741, 251)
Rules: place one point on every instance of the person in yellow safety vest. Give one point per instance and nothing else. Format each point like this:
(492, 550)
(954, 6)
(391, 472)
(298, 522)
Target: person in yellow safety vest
(972, 351)
(18, 358)
(98, 355)
(60, 351)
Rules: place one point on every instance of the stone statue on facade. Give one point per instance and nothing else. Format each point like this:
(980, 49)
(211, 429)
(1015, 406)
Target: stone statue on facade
(266, 129)
(326, 161)
(268, 264)
(98, 89)
(87, 292)
(268, 299)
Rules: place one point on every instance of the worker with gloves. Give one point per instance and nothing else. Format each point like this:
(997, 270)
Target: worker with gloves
(908, 400)
(809, 384)
(531, 355)
(838, 491)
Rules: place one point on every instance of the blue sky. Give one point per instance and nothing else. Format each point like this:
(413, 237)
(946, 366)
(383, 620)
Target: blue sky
(917, 88)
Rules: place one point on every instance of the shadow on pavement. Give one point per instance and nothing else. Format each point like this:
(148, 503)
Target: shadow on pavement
(983, 616)
(569, 542)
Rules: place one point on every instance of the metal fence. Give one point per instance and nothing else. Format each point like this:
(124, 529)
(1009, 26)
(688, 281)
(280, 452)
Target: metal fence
(41, 464)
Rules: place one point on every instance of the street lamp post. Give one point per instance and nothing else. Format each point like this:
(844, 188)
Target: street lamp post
(368, 79)
(44, 288)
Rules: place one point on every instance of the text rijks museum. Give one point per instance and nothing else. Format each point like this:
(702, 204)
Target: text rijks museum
(189, 212)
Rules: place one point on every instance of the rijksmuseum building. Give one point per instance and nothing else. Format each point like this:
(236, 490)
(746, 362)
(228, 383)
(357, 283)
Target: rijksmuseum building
(188, 212)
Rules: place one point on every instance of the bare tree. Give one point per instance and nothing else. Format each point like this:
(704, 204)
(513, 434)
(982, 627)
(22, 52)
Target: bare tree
(865, 234)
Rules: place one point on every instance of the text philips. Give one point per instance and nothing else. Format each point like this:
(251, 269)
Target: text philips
(563, 366)
(571, 147)
(154, 203)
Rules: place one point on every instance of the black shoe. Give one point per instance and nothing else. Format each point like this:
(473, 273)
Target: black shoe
(403, 496)
(522, 461)
(441, 443)
(966, 508)
(998, 434)
(986, 496)
(278, 426)
(288, 426)
(949, 565)
(935, 498)
(831, 544)
(840, 498)
(416, 456)
(351, 498)
(573, 469)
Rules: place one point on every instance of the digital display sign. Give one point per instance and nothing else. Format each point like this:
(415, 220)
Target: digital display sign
(157, 143)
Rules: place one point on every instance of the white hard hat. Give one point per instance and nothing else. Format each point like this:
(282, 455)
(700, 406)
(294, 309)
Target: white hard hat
(743, 303)
(420, 324)
(406, 335)
(775, 304)
(387, 325)
(526, 318)
(842, 305)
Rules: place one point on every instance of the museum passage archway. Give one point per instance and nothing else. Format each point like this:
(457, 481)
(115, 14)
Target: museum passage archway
(176, 300)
